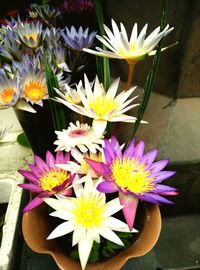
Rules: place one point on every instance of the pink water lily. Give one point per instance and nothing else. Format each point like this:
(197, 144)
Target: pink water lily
(46, 179)
(134, 175)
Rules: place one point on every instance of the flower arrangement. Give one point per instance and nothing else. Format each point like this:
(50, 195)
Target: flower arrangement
(92, 175)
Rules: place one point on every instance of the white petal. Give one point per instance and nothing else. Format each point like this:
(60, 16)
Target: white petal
(112, 207)
(123, 31)
(24, 106)
(77, 234)
(110, 235)
(113, 89)
(61, 230)
(133, 34)
(54, 203)
(84, 249)
(62, 214)
(117, 225)
(99, 127)
(123, 118)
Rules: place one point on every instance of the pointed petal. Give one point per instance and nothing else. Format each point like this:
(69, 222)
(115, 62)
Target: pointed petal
(34, 203)
(110, 235)
(149, 158)
(29, 176)
(31, 188)
(107, 187)
(50, 160)
(40, 163)
(96, 166)
(61, 230)
(84, 249)
(158, 166)
(130, 207)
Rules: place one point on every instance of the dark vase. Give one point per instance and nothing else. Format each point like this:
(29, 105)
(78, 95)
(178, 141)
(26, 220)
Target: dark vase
(38, 128)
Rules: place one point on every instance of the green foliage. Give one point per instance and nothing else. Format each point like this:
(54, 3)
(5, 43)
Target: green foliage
(152, 74)
(60, 114)
(106, 248)
(22, 140)
(103, 68)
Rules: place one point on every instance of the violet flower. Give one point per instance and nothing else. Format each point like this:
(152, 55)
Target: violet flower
(134, 175)
(78, 39)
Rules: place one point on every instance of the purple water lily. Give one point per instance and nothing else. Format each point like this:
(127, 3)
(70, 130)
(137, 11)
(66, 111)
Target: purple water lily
(134, 175)
(46, 179)
(80, 39)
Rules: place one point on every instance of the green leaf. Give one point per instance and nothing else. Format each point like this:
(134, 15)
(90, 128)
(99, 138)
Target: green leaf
(103, 68)
(60, 114)
(152, 74)
(74, 254)
(22, 140)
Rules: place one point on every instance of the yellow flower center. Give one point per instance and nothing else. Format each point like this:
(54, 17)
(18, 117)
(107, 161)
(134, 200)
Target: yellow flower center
(103, 105)
(34, 36)
(84, 165)
(88, 212)
(34, 91)
(134, 53)
(129, 175)
(52, 179)
(7, 95)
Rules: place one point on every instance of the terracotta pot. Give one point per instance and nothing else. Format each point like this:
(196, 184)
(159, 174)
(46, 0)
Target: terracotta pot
(37, 225)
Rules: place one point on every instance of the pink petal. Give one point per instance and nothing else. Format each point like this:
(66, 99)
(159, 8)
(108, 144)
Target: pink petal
(29, 176)
(40, 163)
(34, 203)
(60, 159)
(35, 170)
(67, 157)
(50, 160)
(96, 166)
(31, 188)
(130, 207)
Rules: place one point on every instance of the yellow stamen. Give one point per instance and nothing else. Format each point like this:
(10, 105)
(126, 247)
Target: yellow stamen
(7, 95)
(130, 176)
(34, 91)
(52, 179)
(34, 36)
(88, 212)
(103, 105)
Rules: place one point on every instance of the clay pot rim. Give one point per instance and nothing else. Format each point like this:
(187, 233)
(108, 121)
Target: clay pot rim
(152, 224)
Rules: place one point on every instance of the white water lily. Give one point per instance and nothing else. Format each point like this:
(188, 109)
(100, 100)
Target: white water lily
(88, 216)
(70, 94)
(133, 49)
(81, 136)
(102, 106)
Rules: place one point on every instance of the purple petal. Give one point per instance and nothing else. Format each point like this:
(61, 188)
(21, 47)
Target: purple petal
(130, 149)
(139, 150)
(35, 170)
(109, 148)
(115, 145)
(148, 198)
(159, 165)
(149, 158)
(40, 163)
(96, 166)
(34, 203)
(50, 160)
(29, 176)
(160, 176)
(108, 157)
(160, 199)
(31, 188)
(164, 188)
(130, 207)
(60, 159)
(107, 187)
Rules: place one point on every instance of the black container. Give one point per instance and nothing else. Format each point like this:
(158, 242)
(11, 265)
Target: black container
(38, 128)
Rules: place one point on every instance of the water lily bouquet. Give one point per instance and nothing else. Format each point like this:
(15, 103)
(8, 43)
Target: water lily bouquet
(93, 182)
